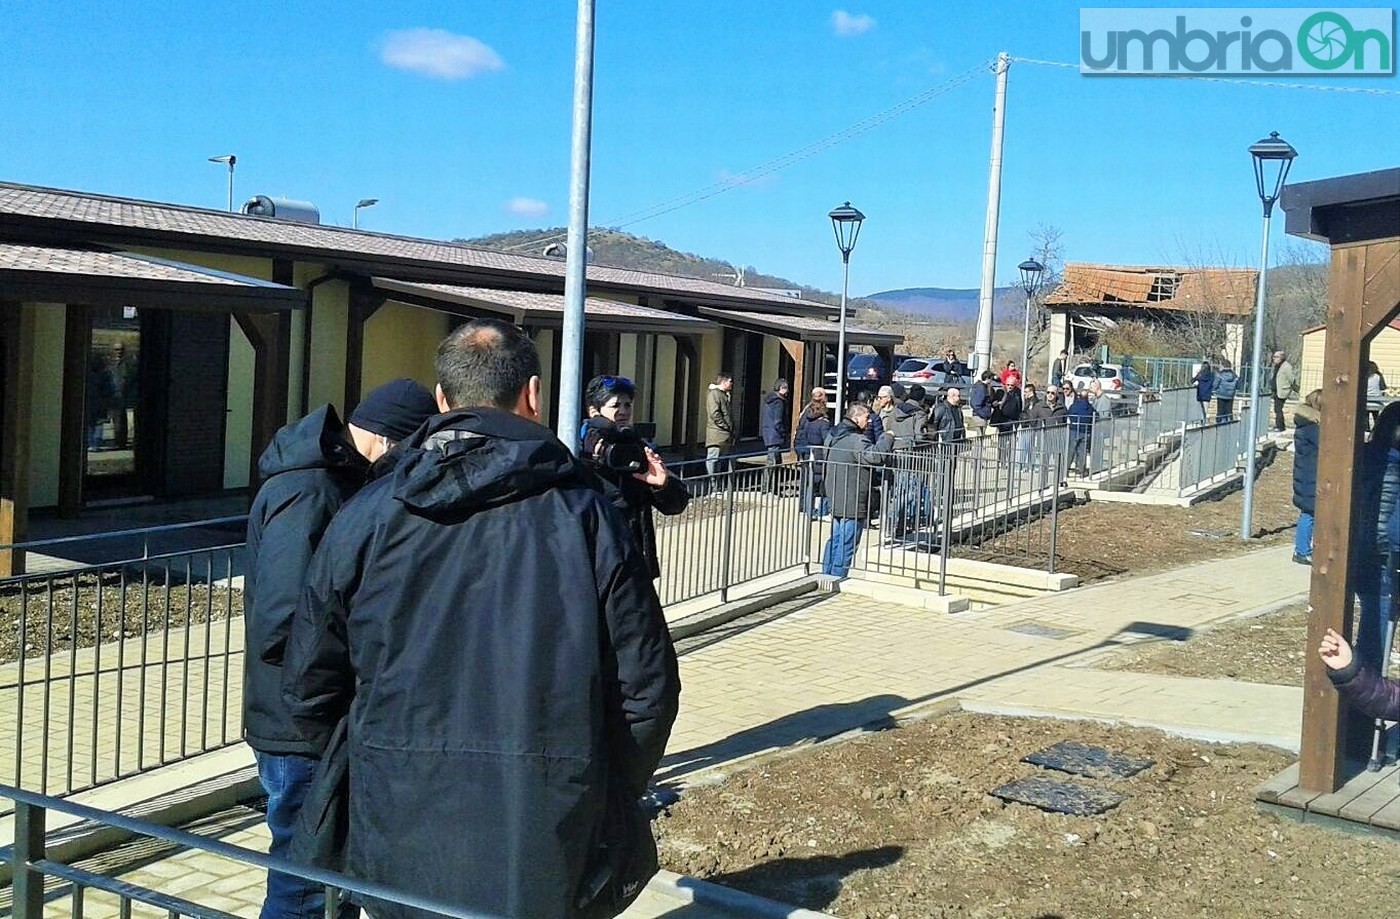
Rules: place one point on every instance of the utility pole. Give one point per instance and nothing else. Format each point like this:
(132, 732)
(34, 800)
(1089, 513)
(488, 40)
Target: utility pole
(983, 348)
(576, 257)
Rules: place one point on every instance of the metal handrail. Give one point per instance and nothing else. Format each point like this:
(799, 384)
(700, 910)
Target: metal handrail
(114, 534)
(30, 808)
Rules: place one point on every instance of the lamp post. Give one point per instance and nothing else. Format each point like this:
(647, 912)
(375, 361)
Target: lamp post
(231, 160)
(355, 214)
(845, 221)
(1031, 273)
(1273, 155)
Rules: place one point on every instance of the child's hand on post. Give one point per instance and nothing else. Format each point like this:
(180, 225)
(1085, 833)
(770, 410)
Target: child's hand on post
(1334, 651)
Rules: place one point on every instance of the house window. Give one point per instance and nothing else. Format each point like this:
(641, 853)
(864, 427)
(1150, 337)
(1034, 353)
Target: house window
(1163, 288)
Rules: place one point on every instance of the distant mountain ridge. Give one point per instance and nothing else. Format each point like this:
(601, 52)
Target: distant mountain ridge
(951, 304)
(617, 249)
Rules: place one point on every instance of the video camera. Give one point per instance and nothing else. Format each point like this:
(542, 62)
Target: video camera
(625, 449)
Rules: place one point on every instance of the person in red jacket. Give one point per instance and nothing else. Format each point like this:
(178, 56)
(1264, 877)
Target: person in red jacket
(1011, 377)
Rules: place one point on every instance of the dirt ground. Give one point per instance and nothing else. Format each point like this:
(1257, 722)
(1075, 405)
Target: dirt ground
(51, 617)
(1101, 539)
(1264, 649)
(900, 824)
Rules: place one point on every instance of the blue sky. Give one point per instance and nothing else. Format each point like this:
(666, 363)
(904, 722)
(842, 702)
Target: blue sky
(328, 102)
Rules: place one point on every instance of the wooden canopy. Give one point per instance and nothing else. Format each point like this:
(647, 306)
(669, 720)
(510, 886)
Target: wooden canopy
(1359, 217)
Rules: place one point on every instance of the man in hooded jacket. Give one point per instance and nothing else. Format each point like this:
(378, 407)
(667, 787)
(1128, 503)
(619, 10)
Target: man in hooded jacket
(309, 470)
(491, 629)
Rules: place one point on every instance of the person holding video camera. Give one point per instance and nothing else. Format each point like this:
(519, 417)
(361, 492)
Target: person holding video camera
(634, 477)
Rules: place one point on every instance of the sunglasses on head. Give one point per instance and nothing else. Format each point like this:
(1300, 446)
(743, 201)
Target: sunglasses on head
(610, 382)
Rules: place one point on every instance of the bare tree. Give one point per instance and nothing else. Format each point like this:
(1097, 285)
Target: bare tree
(1296, 296)
(1048, 248)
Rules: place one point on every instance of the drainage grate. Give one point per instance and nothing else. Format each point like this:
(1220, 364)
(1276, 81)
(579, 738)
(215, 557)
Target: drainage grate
(1081, 759)
(1059, 797)
(1041, 630)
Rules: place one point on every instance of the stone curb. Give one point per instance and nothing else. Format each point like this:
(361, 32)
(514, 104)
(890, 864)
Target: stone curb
(704, 893)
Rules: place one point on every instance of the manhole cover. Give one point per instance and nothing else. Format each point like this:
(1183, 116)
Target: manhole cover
(1040, 630)
(1081, 759)
(1059, 797)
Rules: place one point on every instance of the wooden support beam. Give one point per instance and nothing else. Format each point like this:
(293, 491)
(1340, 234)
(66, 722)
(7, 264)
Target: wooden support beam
(73, 419)
(16, 390)
(797, 393)
(270, 336)
(1364, 294)
(364, 303)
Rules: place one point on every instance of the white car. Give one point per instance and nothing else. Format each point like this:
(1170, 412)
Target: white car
(1120, 382)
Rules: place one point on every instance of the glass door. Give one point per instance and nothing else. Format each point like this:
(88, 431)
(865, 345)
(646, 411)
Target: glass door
(114, 421)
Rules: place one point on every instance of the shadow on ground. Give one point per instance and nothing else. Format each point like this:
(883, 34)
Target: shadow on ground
(812, 883)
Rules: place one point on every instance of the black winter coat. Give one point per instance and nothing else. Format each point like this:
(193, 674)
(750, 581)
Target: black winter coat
(636, 499)
(849, 461)
(1305, 440)
(812, 431)
(485, 619)
(775, 421)
(309, 470)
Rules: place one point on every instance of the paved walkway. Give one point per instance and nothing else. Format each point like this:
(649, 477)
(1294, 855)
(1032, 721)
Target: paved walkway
(832, 664)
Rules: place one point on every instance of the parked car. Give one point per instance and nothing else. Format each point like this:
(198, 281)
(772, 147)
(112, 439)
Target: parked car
(1120, 382)
(1115, 378)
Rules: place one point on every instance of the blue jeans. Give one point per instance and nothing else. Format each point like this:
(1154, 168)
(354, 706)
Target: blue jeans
(1302, 540)
(841, 547)
(287, 779)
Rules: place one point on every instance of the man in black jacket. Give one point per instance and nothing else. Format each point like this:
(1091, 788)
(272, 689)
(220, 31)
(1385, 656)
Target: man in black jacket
(309, 470)
(775, 431)
(489, 628)
(850, 461)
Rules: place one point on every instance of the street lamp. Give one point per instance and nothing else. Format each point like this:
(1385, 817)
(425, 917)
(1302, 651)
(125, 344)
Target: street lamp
(355, 214)
(845, 221)
(231, 160)
(1031, 274)
(1272, 157)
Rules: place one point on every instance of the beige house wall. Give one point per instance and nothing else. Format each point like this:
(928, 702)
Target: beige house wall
(664, 396)
(329, 321)
(401, 341)
(1385, 351)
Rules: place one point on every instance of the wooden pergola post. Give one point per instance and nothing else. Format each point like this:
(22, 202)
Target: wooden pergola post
(16, 386)
(270, 336)
(1359, 217)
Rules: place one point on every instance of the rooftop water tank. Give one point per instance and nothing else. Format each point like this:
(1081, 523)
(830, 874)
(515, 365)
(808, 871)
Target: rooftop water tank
(283, 209)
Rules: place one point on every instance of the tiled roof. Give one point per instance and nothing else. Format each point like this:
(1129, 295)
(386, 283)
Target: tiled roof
(1229, 291)
(82, 263)
(534, 305)
(806, 328)
(32, 206)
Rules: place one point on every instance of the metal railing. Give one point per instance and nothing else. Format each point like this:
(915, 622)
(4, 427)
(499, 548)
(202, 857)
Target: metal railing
(740, 525)
(31, 866)
(993, 498)
(113, 667)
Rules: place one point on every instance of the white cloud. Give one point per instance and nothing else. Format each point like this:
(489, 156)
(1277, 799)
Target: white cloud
(438, 53)
(526, 207)
(847, 24)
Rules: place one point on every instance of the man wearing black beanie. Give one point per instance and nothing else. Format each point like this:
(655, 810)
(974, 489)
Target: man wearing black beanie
(310, 469)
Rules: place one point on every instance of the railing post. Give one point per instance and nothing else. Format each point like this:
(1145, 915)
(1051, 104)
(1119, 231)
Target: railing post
(1055, 513)
(728, 536)
(949, 477)
(27, 883)
(807, 492)
(332, 902)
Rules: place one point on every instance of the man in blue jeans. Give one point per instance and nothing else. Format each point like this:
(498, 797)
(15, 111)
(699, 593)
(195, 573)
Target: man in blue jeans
(310, 469)
(850, 462)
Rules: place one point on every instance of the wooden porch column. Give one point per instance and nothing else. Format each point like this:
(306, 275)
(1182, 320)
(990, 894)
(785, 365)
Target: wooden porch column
(364, 303)
(684, 432)
(270, 336)
(1364, 294)
(73, 427)
(16, 387)
(797, 397)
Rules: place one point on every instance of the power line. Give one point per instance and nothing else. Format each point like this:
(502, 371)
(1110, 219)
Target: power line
(782, 162)
(1237, 81)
